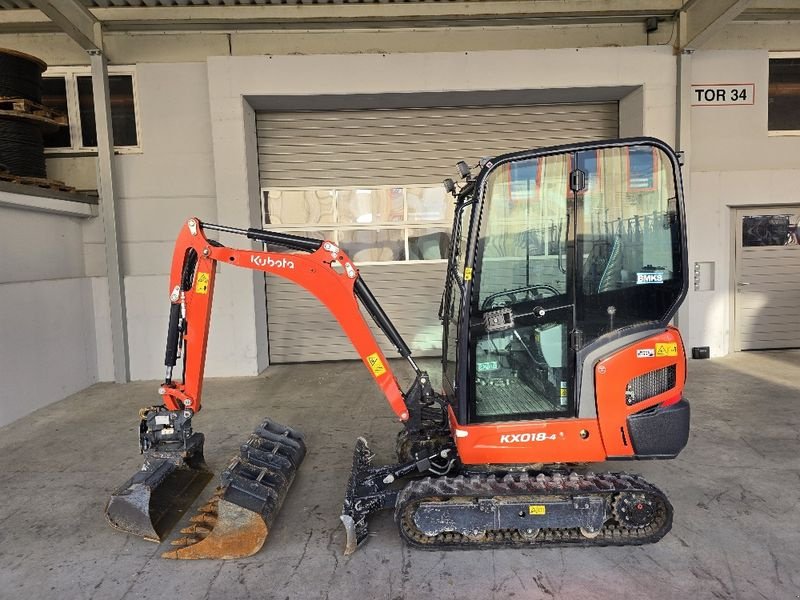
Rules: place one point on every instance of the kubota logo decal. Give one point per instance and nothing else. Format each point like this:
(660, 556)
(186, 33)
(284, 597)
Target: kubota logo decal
(270, 262)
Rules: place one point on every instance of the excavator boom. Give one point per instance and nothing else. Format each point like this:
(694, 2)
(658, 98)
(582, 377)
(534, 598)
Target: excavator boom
(237, 519)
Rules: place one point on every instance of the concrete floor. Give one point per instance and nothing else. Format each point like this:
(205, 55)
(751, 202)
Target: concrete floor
(735, 490)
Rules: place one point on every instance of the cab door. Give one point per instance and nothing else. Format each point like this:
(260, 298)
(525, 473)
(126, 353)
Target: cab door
(522, 313)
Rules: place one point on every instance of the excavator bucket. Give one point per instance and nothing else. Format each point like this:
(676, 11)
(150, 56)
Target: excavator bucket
(151, 502)
(237, 519)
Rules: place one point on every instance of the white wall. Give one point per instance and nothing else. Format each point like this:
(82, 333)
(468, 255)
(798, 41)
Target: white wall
(170, 181)
(47, 305)
(734, 162)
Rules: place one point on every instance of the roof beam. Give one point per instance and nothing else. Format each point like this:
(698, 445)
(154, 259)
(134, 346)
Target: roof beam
(705, 18)
(544, 12)
(74, 19)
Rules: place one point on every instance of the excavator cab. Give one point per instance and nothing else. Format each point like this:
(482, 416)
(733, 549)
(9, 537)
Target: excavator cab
(558, 257)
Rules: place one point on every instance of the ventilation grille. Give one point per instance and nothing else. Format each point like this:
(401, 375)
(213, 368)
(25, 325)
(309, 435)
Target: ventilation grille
(650, 384)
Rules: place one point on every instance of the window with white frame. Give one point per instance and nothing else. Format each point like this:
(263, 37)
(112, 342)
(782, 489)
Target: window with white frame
(69, 90)
(373, 225)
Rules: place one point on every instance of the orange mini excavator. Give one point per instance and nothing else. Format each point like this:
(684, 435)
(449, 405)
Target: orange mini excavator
(566, 265)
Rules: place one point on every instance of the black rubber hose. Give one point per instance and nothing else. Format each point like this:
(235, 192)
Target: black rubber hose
(22, 147)
(20, 77)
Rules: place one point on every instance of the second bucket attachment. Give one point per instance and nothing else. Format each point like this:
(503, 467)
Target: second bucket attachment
(237, 519)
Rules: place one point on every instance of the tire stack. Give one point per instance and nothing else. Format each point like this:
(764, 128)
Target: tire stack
(22, 117)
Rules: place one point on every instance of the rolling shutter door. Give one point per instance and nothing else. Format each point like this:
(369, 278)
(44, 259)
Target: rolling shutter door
(397, 147)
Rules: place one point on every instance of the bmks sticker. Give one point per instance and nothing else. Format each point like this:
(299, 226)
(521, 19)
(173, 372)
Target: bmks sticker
(650, 277)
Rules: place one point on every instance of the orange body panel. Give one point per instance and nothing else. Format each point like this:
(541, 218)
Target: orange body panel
(613, 373)
(579, 440)
(525, 442)
(314, 272)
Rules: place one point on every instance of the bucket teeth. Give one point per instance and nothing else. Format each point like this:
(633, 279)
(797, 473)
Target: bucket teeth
(184, 541)
(209, 507)
(204, 519)
(197, 530)
(236, 520)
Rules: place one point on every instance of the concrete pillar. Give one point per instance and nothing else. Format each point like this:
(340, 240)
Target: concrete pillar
(108, 203)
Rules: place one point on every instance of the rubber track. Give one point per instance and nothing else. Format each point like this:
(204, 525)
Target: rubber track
(537, 485)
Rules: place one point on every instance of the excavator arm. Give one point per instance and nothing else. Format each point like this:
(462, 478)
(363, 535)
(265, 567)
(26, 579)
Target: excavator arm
(236, 521)
(323, 269)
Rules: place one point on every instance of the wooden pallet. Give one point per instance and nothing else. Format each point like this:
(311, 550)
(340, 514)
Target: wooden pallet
(22, 107)
(50, 184)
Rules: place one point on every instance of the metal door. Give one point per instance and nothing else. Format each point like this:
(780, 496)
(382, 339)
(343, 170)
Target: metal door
(767, 278)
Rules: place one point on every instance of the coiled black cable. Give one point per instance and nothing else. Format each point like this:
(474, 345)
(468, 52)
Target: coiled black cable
(22, 147)
(20, 75)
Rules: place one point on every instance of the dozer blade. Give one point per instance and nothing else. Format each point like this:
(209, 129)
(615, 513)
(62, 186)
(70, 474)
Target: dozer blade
(236, 521)
(353, 517)
(154, 499)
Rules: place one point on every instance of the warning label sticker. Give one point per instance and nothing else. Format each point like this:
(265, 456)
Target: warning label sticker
(375, 363)
(537, 509)
(645, 353)
(201, 287)
(667, 349)
(468, 274)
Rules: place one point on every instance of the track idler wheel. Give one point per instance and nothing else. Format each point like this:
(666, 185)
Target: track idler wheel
(635, 510)
(237, 519)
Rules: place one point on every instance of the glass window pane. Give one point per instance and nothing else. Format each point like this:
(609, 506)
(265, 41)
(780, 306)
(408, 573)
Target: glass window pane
(370, 206)
(641, 168)
(523, 238)
(123, 115)
(588, 163)
(54, 95)
(298, 207)
(428, 244)
(522, 372)
(429, 204)
(767, 230)
(628, 243)
(784, 94)
(462, 231)
(373, 245)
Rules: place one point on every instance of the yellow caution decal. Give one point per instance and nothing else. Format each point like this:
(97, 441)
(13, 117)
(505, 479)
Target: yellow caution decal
(201, 287)
(375, 363)
(667, 349)
(537, 509)
(467, 273)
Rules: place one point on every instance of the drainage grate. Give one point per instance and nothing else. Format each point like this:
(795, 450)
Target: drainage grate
(650, 384)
